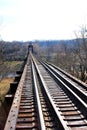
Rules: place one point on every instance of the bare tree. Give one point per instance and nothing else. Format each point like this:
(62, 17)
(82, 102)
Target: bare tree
(81, 52)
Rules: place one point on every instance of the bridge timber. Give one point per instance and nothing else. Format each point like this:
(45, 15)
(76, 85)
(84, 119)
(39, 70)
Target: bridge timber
(46, 98)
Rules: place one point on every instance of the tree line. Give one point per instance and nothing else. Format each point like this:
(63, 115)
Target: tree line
(12, 51)
(70, 57)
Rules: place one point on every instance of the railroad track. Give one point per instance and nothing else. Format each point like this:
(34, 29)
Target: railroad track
(74, 84)
(45, 101)
(72, 80)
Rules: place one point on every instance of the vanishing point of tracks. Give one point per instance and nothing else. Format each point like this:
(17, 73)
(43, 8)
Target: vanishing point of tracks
(47, 98)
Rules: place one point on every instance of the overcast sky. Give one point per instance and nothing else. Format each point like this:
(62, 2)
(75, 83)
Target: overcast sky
(41, 19)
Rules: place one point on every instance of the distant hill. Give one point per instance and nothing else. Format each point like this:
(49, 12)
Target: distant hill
(42, 43)
(53, 42)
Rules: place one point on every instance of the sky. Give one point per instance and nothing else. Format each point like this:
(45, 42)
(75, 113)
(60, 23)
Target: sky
(25, 20)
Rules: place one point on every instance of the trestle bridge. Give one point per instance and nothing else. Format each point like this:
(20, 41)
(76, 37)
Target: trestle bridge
(44, 97)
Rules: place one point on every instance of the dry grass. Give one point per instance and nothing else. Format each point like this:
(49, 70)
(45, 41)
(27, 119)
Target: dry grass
(12, 63)
(4, 85)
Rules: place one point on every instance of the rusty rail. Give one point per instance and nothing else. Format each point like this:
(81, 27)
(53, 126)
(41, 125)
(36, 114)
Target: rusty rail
(12, 118)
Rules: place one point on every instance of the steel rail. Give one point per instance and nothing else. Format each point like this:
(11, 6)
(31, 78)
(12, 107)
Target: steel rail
(77, 90)
(82, 105)
(73, 79)
(79, 82)
(13, 114)
(38, 101)
(62, 122)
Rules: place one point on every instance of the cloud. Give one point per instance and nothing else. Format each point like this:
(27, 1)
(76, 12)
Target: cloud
(41, 19)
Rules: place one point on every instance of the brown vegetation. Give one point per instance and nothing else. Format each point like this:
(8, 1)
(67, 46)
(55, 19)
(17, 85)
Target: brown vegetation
(70, 57)
(4, 85)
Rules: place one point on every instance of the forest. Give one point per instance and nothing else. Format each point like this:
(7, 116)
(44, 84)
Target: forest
(70, 55)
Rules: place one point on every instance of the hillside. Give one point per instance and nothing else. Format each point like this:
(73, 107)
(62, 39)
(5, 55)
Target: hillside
(54, 42)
